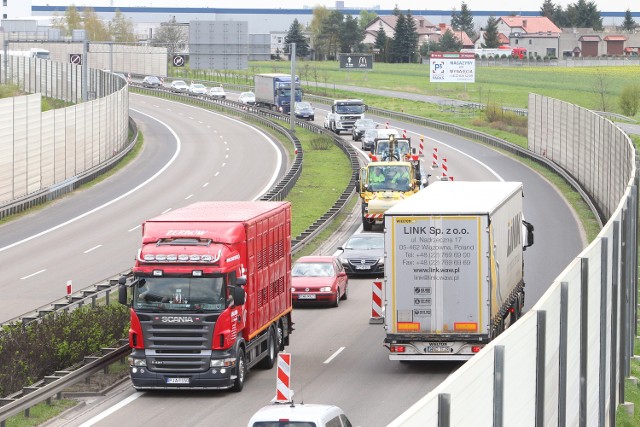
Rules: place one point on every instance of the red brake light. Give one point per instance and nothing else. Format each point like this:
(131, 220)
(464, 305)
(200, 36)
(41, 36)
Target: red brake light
(476, 348)
(397, 349)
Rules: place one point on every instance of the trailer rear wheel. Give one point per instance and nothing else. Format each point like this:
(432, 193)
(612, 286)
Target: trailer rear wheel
(272, 351)
(241, 371)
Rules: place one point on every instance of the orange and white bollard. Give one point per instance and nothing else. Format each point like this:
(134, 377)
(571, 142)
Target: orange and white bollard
(404, 133)
(376, 303)
(445, 171)
(434, 158)
(421, 152)
(283, 383)
(386, 125)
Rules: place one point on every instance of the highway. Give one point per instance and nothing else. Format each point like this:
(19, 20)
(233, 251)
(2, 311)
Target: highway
(196, 155)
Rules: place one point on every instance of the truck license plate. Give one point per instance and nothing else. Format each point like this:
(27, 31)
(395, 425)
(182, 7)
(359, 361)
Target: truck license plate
(307, 296)
(363, 267)
(438, 349)
(177, 380)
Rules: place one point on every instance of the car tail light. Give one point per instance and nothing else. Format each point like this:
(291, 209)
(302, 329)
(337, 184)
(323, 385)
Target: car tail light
(397, 349)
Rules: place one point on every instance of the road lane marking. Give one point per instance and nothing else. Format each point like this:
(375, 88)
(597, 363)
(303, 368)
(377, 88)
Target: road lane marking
(205, 184)
(117, 199)
(111, 410)
(166, 210)
(188, 197)
(33, 274)
(333, 356)
(92, 249)
(134, 228)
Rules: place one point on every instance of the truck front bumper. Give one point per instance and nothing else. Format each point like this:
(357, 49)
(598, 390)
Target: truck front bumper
(212, 379)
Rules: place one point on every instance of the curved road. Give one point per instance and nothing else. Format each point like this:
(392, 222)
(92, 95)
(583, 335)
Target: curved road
(337, 355)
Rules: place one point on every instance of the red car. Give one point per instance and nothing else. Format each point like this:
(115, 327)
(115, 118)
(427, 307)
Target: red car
(319, 279)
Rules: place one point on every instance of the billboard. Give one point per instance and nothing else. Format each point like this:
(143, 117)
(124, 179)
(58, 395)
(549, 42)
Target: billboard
(452, 67)
(358, 61)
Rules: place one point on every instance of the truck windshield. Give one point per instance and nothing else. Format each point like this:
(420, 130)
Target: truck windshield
(390, 178)
(350, 109)
(179, 293)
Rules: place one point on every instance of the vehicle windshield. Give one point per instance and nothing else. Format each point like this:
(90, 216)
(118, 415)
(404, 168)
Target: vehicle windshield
(390, 178)
(198, 86)
(365, 242)
(312, 269)
(350, 109)
(179, 83)
(179, 293)
(402, 148)
(303, 105)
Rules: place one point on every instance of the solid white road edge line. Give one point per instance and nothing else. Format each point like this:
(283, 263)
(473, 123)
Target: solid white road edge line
(111, 410)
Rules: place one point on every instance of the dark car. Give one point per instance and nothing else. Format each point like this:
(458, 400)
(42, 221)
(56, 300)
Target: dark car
(319, 279)
(360, 126)
(363, 254)
(151, 81)
(304, 110)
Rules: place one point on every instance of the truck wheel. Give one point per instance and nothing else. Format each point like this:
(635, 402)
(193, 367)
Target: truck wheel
(272, 352)
(241, 371)
(366, 225)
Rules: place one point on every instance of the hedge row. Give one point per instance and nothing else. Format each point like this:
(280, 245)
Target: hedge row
(59, 341)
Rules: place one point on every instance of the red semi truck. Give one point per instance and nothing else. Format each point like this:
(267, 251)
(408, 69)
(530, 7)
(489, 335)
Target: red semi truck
(210, 295)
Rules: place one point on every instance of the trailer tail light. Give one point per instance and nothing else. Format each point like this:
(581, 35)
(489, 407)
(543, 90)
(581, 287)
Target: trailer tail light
(476, 349)
(397, 348)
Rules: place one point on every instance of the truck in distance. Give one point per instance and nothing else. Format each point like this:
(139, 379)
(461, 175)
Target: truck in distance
(344, 113)
(454, 269)
(210, 296)
(273, 91)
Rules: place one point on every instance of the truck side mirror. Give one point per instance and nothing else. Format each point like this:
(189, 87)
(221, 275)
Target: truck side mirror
(529, 235)
(238, 295)
(122, 290)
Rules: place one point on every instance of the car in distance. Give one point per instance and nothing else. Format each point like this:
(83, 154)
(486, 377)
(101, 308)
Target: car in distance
(151, 81)
(247, 98)
(360, 126)
(303, 415)
(319, 279)
(368, 139)
(179, 86)
(363, 254)
(197, 89)
(217, 92)
(304, 110)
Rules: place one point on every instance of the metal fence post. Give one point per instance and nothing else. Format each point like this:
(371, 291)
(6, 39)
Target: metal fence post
(613, 390)
(541, 340)
(604, 273)
(562, 369)
(444, 410)
(584, 337)
(498, 386)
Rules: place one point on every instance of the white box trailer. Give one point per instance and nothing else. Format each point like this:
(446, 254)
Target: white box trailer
(453, 268)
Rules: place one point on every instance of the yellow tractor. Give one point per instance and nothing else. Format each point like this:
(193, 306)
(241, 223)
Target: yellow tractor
(383, 183)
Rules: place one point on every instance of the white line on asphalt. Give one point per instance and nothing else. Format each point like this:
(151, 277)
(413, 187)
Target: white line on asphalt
(205, 184)
(166, 210)
(188, 197)
(111, 410)
(333, 356)
(92, 249)
(134, 228)
(122, 196)
(31, 275)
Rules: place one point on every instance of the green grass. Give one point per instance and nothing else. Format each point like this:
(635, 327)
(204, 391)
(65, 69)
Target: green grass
(41, 413)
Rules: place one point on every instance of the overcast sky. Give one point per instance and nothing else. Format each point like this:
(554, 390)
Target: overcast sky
(522, 5)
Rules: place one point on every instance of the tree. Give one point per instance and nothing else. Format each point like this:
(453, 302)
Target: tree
(330, 32)
(491, 36)
(628, 24)
(170, 35)
(96, 29)
(121, 28)
(405, 40)
(382, 42)
(429, 46)
(629, 100)
(366, 18)
(320, 14)
(601, 88)
(295, 35)
(584, 15)
(351, 35)
(463, 20)
(71, 20)
(554, 13)
(449, 42)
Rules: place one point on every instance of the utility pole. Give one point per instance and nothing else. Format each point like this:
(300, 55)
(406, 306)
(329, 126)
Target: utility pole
(292, 99)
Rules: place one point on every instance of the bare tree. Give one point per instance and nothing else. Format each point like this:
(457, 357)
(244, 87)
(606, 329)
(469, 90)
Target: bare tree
(171, 35)
(601, 88)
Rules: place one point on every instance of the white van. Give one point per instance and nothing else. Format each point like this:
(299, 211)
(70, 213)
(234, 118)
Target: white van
(299, 415)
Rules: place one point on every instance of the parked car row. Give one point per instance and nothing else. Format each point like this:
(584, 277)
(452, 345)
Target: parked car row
(180, 86)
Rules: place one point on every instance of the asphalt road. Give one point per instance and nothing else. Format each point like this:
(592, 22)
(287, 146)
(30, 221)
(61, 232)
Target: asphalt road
(337, 355)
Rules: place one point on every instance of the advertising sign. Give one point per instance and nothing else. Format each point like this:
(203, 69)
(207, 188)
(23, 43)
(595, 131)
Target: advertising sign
(452, 67)
(356, 61)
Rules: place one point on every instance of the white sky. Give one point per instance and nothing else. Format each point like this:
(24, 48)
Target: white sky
(522, 5)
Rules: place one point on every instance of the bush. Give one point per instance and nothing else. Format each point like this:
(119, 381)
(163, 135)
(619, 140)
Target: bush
(321, 142)
(629, 100)
(60, 340)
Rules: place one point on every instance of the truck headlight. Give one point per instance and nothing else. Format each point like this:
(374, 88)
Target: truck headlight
(137, 362)
(223, 363)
